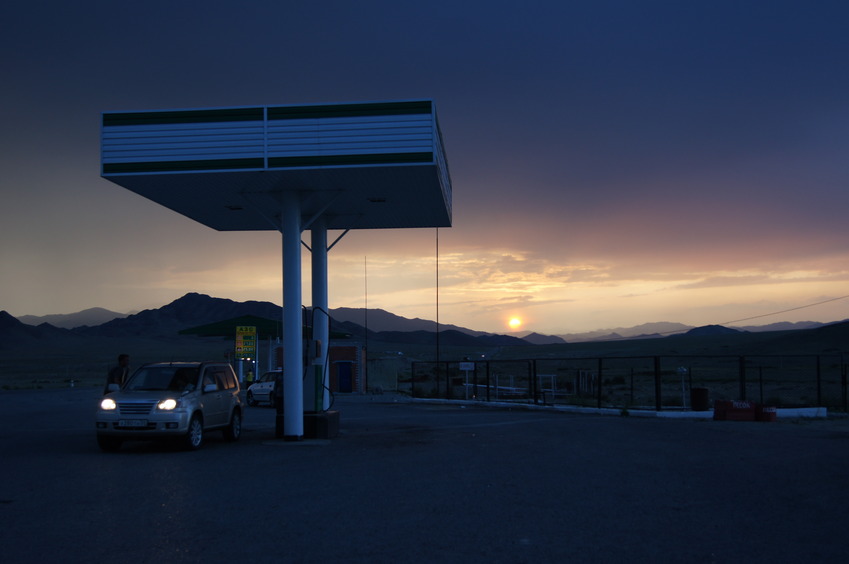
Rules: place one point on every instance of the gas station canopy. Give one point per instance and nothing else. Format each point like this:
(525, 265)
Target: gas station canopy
(358, 166)
(288, 168)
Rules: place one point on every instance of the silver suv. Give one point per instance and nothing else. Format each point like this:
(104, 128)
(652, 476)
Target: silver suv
(178, 400)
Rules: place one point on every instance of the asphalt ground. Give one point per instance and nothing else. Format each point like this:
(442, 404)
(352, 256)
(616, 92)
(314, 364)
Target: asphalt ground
(424, 482)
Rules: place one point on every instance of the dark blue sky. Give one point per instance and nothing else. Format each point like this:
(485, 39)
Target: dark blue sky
(613, 162)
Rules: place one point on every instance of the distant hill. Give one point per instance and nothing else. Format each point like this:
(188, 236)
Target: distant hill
(382, 320)
(537, 339)
(782, 326)
(15, 334)
(448, 338)
(644, 331)
(191, 310)
(828, 338)
(92, 316)
(711, 330)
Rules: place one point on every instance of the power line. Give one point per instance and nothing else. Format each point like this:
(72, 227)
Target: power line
(785, 310)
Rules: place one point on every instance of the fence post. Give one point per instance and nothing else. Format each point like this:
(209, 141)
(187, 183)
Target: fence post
(742, 371)
(488, 381)
(657, 401)
(598, 392)
(843, 385)
(447, 382)
(819, 382)
(533, 383)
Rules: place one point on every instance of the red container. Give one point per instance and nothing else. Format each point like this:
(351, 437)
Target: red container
(766, 413)
(727, 410)
(720, 409)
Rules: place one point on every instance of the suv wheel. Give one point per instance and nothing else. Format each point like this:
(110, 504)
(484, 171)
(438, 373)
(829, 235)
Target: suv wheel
(194, 436)
(234, 430)
(251, 400)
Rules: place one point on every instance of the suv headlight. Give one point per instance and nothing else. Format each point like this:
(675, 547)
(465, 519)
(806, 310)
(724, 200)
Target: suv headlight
(108, 404)
(167, 404)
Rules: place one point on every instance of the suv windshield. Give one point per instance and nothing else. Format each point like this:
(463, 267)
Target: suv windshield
(161, 378)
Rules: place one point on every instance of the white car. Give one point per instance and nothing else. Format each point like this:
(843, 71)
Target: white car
(264, 389)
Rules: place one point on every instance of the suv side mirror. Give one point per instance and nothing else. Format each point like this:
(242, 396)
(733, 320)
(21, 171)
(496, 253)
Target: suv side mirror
(210, 388)
(113, 387)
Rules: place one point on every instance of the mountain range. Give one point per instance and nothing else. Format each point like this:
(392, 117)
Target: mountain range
(91, 316)
(193, 310)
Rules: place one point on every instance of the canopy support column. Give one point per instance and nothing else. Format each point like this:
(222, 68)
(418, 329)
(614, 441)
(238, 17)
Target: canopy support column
(293, 362)
(320, 381)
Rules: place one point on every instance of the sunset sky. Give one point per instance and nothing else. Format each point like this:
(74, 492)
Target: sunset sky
(613, 162)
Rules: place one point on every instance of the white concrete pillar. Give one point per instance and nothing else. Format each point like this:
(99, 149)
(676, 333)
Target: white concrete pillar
(321, 319)
(293, 361)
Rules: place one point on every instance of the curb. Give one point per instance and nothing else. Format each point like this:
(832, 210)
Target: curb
(781, 413)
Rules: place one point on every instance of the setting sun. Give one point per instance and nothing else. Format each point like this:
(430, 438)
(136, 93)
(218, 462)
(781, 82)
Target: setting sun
(515, 323)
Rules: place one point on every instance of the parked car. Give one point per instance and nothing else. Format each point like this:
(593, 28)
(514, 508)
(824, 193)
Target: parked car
(265, 389)
(171, 400)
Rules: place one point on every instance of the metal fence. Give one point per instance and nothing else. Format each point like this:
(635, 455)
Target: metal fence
(644, 382)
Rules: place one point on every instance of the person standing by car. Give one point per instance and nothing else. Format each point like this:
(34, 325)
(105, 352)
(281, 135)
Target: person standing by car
(118, 374)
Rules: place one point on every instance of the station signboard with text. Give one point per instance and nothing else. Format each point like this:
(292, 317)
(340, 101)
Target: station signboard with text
(246, 341)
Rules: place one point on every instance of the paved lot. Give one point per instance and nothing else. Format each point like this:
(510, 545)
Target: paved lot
(412, 482)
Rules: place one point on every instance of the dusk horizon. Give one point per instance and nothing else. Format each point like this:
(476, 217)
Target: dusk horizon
(656, 326)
